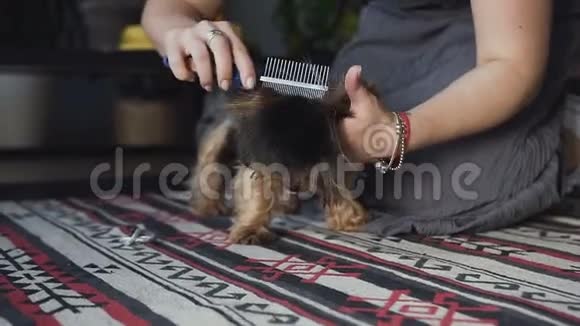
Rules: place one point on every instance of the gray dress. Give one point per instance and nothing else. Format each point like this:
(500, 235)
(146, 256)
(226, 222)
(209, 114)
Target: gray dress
(410, 50)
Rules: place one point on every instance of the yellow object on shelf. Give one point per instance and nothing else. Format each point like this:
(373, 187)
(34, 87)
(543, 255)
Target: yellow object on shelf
(134, 38)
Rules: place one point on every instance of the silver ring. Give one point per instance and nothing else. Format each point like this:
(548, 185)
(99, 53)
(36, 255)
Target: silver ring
(212, 34)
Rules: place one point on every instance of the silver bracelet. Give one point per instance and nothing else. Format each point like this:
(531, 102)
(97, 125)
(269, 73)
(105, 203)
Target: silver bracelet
(385, 165)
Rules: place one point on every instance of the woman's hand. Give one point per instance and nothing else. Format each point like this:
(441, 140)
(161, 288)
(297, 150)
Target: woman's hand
(370, 134)
(190, 50)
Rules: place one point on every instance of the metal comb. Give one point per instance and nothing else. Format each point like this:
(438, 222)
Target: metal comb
(295, 78)
(290, 78)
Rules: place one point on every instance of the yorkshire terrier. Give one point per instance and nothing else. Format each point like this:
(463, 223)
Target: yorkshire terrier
(275, 146)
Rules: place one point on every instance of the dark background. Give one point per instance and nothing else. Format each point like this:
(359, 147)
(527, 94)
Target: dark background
(69, 96)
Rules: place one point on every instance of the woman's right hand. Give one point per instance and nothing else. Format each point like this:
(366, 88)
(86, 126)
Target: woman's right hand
(190, 50)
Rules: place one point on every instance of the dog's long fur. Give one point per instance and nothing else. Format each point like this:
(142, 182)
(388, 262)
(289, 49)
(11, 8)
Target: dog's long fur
(265, 130)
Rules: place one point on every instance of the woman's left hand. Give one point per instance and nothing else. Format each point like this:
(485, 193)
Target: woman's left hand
(370, 134)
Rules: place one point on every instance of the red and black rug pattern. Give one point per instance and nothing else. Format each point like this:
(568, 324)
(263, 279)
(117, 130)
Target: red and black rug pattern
(62, 262)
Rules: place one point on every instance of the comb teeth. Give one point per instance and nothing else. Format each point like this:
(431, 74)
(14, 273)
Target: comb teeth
(296, 78)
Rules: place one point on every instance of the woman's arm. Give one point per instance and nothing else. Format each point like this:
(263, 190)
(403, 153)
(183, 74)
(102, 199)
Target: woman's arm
(162, 16)
(512, 40)
(180, 29)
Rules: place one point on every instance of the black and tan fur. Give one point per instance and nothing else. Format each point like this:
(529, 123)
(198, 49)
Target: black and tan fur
(262, 130)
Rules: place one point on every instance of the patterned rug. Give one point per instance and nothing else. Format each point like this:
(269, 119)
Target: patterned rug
(62, 262)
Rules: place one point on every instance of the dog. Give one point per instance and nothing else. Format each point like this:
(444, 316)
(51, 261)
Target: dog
(274, 146)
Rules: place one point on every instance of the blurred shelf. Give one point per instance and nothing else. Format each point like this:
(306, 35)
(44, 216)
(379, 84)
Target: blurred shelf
(81, 61)
(79, 188)
(37, 167)
(74, 152)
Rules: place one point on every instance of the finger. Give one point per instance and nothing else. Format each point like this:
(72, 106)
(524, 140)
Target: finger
(354, 86)
(241, 56)
(222, 54)
(191, 66)
(176, 59)
(201, 60)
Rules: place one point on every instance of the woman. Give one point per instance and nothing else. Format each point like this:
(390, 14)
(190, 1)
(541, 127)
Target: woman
(481, 81)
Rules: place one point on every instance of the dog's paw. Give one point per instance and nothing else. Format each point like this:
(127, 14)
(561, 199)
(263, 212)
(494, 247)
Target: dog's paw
(345, 226)
(250, 236)
(347, 218)
(209, 208)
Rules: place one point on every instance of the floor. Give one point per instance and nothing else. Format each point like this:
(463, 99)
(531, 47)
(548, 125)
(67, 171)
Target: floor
(63, 262)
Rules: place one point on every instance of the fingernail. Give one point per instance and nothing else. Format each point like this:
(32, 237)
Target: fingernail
(225, 84)
(250, 82)
(207, 87)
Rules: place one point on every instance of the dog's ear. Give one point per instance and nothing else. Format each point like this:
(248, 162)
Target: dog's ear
(247, 102)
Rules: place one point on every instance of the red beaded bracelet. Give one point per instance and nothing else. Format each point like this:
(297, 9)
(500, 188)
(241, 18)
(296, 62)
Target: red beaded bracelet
(407, 122)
